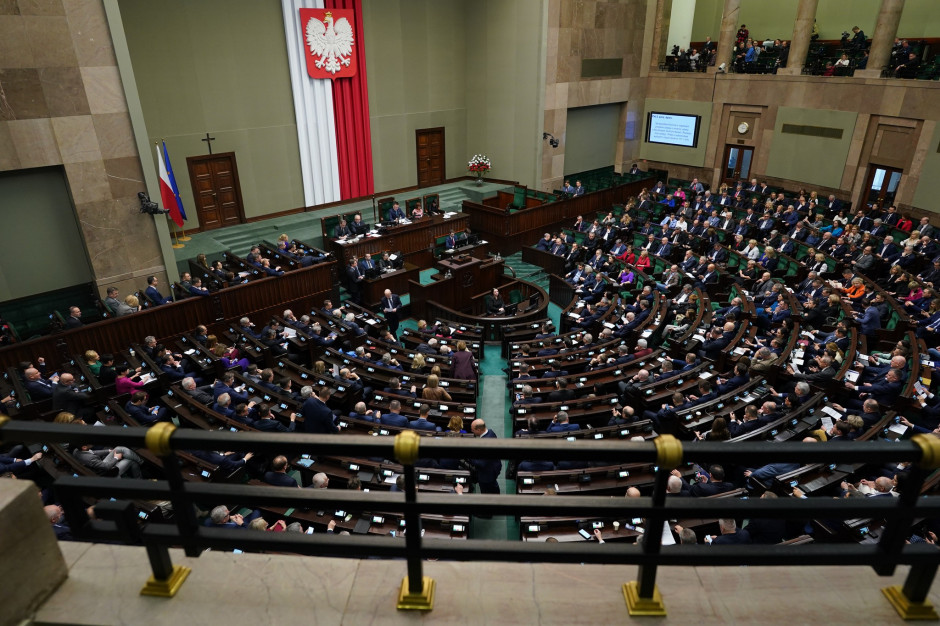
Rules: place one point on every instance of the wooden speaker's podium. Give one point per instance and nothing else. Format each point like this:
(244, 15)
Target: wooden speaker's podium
(469, 276)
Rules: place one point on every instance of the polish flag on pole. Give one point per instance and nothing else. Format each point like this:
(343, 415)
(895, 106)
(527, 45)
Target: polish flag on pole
(169, 193)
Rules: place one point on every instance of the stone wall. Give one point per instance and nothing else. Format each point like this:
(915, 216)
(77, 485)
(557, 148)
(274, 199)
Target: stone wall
(66, 106)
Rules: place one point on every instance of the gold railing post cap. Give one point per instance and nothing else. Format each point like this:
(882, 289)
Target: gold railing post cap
(406, 447)
(157, 438)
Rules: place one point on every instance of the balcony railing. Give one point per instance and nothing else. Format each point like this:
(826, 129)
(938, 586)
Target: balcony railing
(115, 519)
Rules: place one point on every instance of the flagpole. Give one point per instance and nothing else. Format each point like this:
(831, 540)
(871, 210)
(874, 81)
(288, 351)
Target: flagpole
(177, 245)
(184, 237)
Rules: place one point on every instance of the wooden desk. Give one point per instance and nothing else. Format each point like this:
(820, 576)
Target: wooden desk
(467, 279)
(415, 241)
(373, 289)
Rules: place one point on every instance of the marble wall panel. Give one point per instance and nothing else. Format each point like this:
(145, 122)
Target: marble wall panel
(125, 177)
(103, 89)
(9, 7)
(115, 136)
(50, 41)
(76, 138)
(14, 42)
(41, 7)
(64, 91)
(88, 181)
(90, 35)
(23, 91)
(8, 157)
(35, 142)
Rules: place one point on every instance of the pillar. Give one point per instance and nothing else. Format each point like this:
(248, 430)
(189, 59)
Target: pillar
(730, 16)
(886, 29)
(799, 42)
(680, 24)
(660, 33)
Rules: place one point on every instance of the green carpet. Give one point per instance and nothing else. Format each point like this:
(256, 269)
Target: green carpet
(492, 407)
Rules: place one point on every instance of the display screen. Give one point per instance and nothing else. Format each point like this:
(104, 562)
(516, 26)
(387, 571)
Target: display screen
(673, 129)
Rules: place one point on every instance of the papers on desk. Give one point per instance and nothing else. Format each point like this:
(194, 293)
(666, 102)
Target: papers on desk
(831, 412)
(608, 325)
(392, 257)
(573, 314)
(741, 351)
(806, 333)
(705, 375)
(146, 378)
(390, 479)
(668, 539)
(244, 274)
(290, 333)
(484, 242)
(897, 429)
(646, 333)
(449, 214)
(796, 366)
(699, 337)
(826, 423)
(851, 376)
(796, 361)
(749, 398)
(371, 322)
(191, 351)
(921, 390)
(862, 358)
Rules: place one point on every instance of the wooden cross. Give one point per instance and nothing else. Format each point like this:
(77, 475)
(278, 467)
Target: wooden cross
(209, 141)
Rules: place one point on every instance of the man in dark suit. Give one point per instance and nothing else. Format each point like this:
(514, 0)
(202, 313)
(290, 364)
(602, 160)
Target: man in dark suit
(38, 387)
(74, 320)
(396, 213)
(102, 461)
(67, 397)
(487, 470)
(451, 242)
(561, 393)
(137, 408)
(560, 424)
(358, 227)
(367, 266)
(423, 423)
(153, 294)
(394, 417)
(227, 463)
(278, 474)
(342, 231)
(266, 421)
(709, 484)
(391, 304)
(494, 303)
(318, 418)
(730, 534)
(354, 278)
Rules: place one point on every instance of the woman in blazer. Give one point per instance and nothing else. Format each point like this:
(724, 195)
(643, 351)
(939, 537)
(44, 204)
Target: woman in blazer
(462, 365)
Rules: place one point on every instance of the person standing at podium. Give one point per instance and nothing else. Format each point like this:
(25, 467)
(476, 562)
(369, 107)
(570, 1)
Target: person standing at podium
(391, 303)
(494, 303)
(354, 278)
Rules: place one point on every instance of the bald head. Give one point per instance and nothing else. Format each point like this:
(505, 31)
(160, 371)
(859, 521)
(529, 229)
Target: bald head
(478, 427)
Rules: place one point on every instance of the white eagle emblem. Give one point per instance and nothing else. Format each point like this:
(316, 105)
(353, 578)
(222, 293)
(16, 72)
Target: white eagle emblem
(331, 43)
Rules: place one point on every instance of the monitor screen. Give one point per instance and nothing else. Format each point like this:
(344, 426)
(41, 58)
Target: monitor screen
(673, 129)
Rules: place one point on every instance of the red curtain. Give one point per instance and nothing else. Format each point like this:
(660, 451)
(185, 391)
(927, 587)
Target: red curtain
(351, 114)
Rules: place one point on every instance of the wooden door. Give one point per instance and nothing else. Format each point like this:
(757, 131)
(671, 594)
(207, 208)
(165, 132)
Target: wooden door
(216, 190)
(430, 152)
(882, 184)
(737, 164)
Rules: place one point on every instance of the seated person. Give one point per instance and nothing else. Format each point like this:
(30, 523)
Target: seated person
(137, 408)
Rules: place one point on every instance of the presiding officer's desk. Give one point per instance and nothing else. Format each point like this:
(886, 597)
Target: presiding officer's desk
(415, 240)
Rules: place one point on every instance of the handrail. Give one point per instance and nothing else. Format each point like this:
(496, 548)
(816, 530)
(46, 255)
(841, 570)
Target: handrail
(116, 519)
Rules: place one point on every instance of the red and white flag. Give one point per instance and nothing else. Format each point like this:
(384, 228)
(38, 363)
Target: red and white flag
(169, 194)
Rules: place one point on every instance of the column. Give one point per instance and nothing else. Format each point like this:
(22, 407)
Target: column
(680, 24)
(886, 29)
(660, 33)
(729, 29)
(799, 43)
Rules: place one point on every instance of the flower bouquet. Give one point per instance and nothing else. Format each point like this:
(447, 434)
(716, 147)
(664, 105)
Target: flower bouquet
(480, 165)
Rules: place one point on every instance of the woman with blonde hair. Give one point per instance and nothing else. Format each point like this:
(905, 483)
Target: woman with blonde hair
(418, 364)
(433, 391)
(130, 305)
(92, 361)
(455, 426)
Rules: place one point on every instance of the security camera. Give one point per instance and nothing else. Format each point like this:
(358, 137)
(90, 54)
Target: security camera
(551, 139)
(149, 206)
(722, 68)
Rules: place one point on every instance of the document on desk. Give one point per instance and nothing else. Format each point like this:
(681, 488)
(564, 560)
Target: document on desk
(705, 375)
(290, 333)
(828, 410)
(826, 423)
(897, 429)
(851, 376)
(668, 539)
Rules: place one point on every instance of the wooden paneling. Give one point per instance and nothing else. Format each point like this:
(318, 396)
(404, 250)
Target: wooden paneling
(511, 231)
(300, 289)
(414, 240)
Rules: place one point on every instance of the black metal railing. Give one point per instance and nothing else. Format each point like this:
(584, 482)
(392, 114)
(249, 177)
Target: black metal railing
(115, 520)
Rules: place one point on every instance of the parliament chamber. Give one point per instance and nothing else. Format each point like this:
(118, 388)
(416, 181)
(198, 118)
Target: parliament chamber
(683, 314)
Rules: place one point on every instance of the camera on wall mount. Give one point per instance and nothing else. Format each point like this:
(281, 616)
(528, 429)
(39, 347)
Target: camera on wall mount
(149, 206)
(551, 139)
(675, 50)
